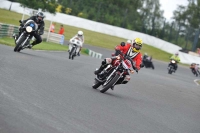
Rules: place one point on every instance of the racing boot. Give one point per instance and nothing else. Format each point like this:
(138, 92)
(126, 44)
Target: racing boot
(31, 45)
(15, 36)
(99, 70)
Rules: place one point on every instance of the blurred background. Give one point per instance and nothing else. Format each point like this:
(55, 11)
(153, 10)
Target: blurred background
(146, 16)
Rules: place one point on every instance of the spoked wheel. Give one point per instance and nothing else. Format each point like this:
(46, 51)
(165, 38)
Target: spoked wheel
(109, 83)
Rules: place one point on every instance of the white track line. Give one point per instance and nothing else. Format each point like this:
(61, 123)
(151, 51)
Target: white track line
(195, 81)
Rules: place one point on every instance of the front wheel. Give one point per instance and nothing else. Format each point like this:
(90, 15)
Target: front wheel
(18, 45)
(71, 53)
(170, 70)
(110, 83)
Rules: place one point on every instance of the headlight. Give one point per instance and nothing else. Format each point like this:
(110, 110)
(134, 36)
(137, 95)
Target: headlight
(173, 61)
(29, 28)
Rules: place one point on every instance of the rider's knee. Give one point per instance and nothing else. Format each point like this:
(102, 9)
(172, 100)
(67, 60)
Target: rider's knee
(39, 40)
(106, 61)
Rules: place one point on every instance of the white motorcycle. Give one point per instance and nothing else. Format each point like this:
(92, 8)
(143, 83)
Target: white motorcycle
(74, 47)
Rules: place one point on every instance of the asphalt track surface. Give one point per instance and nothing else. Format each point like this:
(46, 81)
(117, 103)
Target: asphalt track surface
(45, 92)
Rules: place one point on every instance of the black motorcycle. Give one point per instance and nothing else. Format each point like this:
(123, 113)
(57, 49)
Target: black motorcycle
(171, 67)
(147, 62)
(23, 41)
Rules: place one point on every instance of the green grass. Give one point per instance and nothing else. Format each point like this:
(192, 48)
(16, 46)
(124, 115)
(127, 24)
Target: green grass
(42, 46)
(91, 37)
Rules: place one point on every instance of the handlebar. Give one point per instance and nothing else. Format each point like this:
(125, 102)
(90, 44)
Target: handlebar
(127, 57)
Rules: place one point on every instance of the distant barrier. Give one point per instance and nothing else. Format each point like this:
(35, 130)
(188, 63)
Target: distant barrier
(7, 30)
(93, 54)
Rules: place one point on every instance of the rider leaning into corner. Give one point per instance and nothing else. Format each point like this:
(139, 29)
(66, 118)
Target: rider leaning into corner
(38, 19)
(176, 58)
(80, 37)
(131, 50)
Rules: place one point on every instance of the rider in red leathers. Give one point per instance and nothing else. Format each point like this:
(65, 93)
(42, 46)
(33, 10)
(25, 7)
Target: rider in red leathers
(131, 50)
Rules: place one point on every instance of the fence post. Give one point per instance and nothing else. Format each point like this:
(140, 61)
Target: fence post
(195, 40)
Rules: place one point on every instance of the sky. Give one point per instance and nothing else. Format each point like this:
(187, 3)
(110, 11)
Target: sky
(170, 5)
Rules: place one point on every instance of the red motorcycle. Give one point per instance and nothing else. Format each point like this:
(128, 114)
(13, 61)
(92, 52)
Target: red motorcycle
(114, 73)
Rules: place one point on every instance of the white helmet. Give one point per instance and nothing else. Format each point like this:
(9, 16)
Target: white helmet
(128, 41)
(80, 33)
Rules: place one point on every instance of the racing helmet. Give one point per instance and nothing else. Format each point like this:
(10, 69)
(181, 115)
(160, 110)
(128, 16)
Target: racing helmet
(40, 16)
(176, 53)
(137, 44)
(128, 41)
(80, 33)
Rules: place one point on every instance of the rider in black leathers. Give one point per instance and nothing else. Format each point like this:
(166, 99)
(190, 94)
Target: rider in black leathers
(38, 19)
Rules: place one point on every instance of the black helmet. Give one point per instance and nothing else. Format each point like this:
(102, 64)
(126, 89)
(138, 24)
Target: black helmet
(40, 14)
(123, 44)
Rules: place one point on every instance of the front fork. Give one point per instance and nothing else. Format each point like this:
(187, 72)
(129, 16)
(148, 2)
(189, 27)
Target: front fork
(24, 40)
(108, 79)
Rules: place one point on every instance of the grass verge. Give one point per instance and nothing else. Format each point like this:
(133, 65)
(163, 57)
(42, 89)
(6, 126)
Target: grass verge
(42, 46)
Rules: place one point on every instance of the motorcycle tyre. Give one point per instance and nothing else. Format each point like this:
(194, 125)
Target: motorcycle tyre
(18, 46)
(109, 84)
(170, 71)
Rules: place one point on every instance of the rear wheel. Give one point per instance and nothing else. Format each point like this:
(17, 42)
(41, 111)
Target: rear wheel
(110, 83)
(18, 45)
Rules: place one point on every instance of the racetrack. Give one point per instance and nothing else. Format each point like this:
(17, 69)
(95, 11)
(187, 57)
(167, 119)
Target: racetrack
(45, 92)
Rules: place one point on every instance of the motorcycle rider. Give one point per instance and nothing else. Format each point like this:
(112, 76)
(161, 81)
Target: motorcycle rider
(80, 37)
(131, 50)
(38, 19)
(195, 68)
(122, 44)
(176, 58)
(145, 56)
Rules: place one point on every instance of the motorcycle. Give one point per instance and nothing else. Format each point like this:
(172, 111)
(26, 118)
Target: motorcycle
(194, 71)
(74, 47)
(23, 41)
(147, 62)
(114, 73)
(171, 67)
